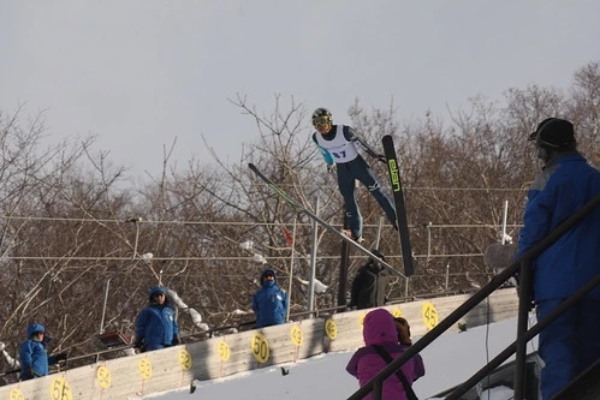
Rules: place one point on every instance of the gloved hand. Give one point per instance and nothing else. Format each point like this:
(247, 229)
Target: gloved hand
(175, 341)
(61, 356)
(138, 343)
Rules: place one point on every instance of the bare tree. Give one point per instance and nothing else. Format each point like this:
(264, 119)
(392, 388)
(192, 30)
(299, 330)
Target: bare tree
(72, 229)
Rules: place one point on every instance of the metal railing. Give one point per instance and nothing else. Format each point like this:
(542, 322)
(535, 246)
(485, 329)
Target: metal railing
(376, 384)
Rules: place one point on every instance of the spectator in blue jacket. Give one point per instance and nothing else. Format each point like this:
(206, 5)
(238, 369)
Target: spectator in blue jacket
(156, 326)
(269, 302)
(33, 354)
(566, 183)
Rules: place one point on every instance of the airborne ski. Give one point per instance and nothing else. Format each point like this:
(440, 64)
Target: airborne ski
(299, 207)
(401, 220)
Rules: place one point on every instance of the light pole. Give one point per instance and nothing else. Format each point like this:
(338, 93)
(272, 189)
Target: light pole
(106, 300)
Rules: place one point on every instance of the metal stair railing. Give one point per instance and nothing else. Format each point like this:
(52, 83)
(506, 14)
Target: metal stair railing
(375, 385)
(525, 337)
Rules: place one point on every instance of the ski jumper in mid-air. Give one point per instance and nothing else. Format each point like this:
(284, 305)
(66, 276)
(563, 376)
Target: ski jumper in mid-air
(339, 146)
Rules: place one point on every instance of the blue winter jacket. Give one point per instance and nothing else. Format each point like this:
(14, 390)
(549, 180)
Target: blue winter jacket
(565, 186)
(156, 327)
(269, 303)
(33, 355)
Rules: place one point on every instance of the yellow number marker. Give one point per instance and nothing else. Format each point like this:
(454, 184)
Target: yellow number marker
(145, 368)
(331, 329)
(260, 348)
(224, 352)
(430, 316)
(296, 335)
(60, 390)
(185, 360)
(103, 377)
(16, 394)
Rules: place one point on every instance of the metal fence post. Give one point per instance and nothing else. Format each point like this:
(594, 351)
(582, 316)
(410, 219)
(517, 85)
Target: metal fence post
(313, 262)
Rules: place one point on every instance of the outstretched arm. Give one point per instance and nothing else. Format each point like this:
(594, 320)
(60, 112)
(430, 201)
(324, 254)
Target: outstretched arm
(351, 135)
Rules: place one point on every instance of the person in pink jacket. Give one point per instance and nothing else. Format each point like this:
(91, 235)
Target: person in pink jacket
(379, 329)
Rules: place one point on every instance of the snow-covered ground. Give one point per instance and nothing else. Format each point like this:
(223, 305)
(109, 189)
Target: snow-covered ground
(451, 359)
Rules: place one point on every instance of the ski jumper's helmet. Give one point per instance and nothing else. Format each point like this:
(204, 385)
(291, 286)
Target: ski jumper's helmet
(321, 116)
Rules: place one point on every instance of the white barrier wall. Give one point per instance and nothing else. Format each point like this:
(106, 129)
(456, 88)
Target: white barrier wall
(176, 367)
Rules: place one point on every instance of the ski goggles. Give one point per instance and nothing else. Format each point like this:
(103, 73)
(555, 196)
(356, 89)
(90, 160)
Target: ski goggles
(321, 120)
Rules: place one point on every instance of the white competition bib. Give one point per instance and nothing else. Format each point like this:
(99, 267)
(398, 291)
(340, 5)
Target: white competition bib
(341, 149)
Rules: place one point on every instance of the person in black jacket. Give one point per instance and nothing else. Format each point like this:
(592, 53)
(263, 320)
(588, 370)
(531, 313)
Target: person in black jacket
(368, 286)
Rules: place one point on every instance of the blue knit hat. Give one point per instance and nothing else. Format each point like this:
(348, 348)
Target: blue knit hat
(157, 289)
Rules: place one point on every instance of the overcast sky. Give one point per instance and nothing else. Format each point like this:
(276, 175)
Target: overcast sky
(140, 73)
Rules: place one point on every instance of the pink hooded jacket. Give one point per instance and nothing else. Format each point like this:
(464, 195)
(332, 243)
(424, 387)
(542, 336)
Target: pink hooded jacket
(379, 328)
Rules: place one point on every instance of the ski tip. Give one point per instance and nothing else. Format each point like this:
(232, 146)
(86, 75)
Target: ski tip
(253, 168)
